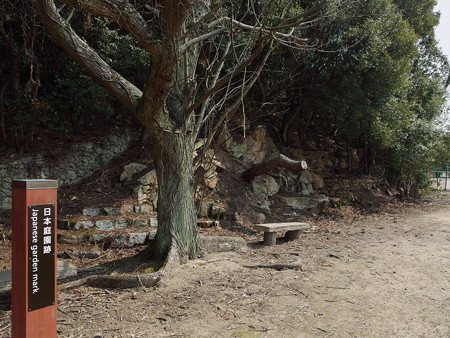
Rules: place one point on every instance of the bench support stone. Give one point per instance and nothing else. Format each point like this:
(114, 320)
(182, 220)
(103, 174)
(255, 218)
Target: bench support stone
(292, 235)
(270, 238)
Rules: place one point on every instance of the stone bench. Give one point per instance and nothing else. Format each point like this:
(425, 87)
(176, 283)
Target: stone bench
(270, 231)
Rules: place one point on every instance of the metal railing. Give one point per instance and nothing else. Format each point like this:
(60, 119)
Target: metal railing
(440, 178)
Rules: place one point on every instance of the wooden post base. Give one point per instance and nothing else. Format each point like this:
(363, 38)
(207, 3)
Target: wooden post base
(34, 246)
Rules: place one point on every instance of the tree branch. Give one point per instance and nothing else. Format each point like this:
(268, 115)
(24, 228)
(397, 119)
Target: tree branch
(232, 108)
(124, 14)
(84, 55)
(225, 79)
(207, 16)
(201, 38)
(274, 30)
(280, 161)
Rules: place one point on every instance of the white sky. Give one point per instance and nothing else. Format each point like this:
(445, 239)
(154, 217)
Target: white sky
(443, 36)
(443, 30)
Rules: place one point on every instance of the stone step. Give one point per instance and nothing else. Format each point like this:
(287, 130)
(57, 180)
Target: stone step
(127, 226)
(120, 238)
(108, 223)
(143, 209)
(113, 232)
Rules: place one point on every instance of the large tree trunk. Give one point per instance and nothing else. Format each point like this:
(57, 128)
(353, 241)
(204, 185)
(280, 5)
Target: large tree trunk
(177, 226)
(171, 140)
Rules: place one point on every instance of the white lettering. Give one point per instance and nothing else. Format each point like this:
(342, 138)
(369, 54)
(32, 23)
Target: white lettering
(35, 283)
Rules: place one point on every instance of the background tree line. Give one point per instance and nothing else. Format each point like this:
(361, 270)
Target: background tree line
(372, 75)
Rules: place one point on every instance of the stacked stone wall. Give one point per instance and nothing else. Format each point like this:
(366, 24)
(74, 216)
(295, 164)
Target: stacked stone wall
(80, 161)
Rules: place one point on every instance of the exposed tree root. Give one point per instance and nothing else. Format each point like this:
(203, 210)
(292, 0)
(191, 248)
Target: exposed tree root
(125, 281)
(115, 281)
(208, 244)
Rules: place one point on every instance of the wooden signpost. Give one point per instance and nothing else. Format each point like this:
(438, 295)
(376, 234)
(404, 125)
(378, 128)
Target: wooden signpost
(34, 258)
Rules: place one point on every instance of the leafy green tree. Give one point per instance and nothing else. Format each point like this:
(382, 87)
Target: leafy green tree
(377, 82)
(34, 95)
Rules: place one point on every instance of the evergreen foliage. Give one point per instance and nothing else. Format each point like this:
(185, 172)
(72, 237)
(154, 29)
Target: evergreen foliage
(374, 78)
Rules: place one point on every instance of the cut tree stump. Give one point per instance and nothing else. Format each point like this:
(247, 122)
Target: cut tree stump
(270, 231)
(281, 161)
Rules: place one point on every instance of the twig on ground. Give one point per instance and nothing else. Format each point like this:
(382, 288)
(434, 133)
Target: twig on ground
(279, 267)
(303, 306)
(6, 327)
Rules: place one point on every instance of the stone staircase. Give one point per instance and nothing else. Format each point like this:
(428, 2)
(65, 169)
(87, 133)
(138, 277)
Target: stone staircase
(126, 226)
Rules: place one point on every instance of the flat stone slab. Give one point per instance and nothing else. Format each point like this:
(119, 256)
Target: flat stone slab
(276, 227)
(65, 270)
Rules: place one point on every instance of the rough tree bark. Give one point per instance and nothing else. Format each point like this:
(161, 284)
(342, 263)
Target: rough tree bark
(176, 204)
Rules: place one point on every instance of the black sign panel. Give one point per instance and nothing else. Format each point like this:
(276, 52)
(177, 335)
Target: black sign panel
(41, 256)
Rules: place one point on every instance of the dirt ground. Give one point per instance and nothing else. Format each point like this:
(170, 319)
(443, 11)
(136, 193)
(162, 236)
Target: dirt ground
(382, 275)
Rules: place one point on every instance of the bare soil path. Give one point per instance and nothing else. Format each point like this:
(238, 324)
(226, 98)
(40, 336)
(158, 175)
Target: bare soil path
(386, 275)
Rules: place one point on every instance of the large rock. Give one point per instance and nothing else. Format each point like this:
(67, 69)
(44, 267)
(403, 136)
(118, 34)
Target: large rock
(310, 181)
(91, 211)
(314, 204)
(149, 179)
(131, 239)
(255, 148)
(318, 182)
(65, 270)
(105, 225)
(146, 191)
(315, 155)
(130, 170)
(264, 186)
(83, 225)
(307, 176)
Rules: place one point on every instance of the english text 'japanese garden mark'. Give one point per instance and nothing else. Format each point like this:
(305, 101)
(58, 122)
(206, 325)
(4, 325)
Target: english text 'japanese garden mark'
(41, 256)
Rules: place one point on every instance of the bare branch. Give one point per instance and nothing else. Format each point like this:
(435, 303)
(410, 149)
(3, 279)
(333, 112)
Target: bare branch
(207, 16)
(264, 30)
(201, 38)
(124, 14)
(215, 77)
(305, 16)
(84, 55)
(225, 79)
(231, 109)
